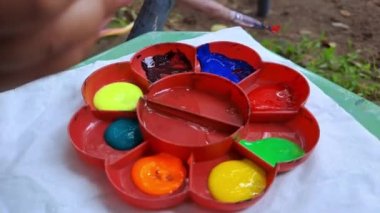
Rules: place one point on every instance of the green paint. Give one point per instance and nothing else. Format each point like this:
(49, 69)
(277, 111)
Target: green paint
(274, 150)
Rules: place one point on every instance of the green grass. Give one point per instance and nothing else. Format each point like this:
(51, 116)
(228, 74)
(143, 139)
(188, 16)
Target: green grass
(122, 18)
(349, 70)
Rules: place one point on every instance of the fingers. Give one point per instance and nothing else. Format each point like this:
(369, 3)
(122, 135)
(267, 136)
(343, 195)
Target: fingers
(19, 15)
(67, 58)
(57, 63)
(244, 20)
(51, 44)
(82, 19)
(25, 50)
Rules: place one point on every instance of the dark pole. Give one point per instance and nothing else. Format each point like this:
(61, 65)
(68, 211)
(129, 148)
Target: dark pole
(263, 8)
(152, 17)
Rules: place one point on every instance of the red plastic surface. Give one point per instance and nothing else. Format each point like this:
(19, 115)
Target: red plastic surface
(86, 134)
(267, 86)
(192, 110)
(161, 49)
(118, 72)
(301, 128)
(198, 117)
(200, 170)
(119, 174)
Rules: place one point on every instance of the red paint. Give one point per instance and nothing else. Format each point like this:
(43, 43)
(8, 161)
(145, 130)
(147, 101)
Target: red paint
(272, 97)
(196, 106)
(275, 92)
(275, 28)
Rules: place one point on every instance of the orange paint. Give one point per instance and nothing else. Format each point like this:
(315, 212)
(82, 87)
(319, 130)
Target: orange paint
(159, 174)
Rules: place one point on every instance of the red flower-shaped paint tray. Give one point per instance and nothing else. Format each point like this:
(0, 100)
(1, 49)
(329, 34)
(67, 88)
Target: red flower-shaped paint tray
(215, 124)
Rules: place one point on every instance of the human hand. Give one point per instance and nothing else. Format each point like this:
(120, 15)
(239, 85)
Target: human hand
(41, 37)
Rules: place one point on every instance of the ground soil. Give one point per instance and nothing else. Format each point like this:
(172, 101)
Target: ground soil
(356, 22)
(302, 17)
(360, 18)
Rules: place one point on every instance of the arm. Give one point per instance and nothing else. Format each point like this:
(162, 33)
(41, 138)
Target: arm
(218, 10)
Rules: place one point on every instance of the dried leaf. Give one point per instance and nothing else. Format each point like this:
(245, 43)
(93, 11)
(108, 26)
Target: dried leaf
(345, 13)
(340, 25)
(217, 27)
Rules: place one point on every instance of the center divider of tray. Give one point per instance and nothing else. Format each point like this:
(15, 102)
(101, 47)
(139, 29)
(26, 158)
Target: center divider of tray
(204, 120)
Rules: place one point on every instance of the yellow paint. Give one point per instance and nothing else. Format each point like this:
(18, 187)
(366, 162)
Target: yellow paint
(236, 180)
(119, 96)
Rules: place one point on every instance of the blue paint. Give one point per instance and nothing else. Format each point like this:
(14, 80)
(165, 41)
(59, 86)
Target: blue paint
(123, 134)
(218, 64)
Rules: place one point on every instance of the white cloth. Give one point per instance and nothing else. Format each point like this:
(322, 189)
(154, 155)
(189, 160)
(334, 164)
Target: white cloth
(40, 171)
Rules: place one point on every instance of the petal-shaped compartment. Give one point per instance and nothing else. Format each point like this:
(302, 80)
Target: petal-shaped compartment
(199, 179)
(86, 132)
(117, 72)
(197, 117)
(230, 60)
(195, 113)
(157, 61)
(119, 173)
(275, 91)
(300, 128)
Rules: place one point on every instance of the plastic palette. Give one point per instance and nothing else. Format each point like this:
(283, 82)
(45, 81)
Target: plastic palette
(198, 117)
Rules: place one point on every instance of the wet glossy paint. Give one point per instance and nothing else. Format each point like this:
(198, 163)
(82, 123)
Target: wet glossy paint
(159, 66)
(123, 134)
(274, 150)
(272, 97)
(218, 64)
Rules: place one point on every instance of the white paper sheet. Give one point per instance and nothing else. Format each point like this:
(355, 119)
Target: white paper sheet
(40, 171)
